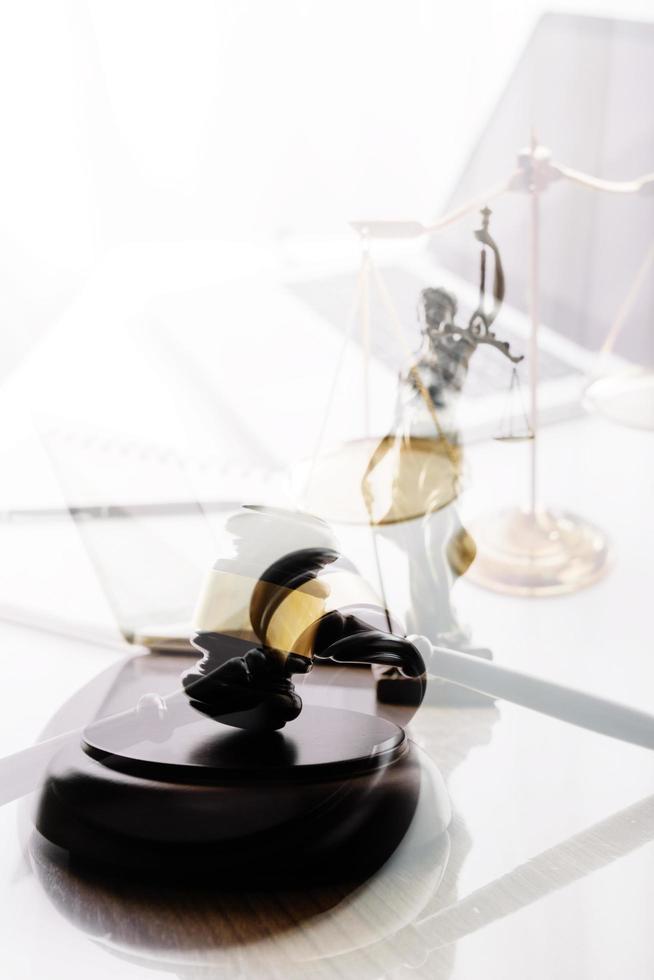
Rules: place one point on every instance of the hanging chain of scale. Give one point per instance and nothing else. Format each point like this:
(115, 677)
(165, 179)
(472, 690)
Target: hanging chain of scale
(514, 425)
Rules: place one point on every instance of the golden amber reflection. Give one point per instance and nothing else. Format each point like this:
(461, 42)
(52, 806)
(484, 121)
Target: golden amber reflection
(397, 478)
(225, 606)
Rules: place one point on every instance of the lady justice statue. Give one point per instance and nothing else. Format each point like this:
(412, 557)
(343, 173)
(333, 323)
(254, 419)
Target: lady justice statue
(405, 486)
(412, 478)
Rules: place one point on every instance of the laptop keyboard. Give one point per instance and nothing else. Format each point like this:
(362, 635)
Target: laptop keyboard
(332, 297)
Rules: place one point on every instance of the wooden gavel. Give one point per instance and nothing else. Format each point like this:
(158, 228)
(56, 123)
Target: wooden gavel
(299, 611)
(293, 613)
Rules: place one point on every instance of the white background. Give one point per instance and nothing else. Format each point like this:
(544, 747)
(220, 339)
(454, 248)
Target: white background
(152, 120)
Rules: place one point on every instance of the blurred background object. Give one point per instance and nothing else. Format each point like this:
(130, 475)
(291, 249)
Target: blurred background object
(184, 125)
(176, 248)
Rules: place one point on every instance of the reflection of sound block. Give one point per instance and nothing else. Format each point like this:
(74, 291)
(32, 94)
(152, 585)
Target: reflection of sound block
(394, 688)
(191, 931)
(330, 795)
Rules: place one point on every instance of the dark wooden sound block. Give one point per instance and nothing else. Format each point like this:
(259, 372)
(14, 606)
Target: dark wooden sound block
(176, 792)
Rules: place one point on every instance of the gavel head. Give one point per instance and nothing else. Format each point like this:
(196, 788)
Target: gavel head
(283, 600)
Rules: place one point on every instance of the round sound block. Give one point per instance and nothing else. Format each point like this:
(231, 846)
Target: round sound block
(331, 795)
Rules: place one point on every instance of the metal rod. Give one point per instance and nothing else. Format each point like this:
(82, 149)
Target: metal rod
(628, 302)
(534, 313)
(589, 711)
(365, 334)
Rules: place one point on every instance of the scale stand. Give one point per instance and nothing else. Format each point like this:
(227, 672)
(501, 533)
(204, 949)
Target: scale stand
(536, 551)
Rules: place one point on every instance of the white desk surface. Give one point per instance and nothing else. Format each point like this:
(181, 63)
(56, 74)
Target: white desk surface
(520, 784)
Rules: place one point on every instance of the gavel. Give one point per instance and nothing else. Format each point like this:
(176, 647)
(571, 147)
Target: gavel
(299, 614)
(260, 621)
(310, 606)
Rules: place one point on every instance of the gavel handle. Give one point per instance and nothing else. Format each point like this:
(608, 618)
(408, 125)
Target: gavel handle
(22, 772)
(589, 711)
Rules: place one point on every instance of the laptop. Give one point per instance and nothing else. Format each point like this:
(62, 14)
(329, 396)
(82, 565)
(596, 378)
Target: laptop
(581, 87)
